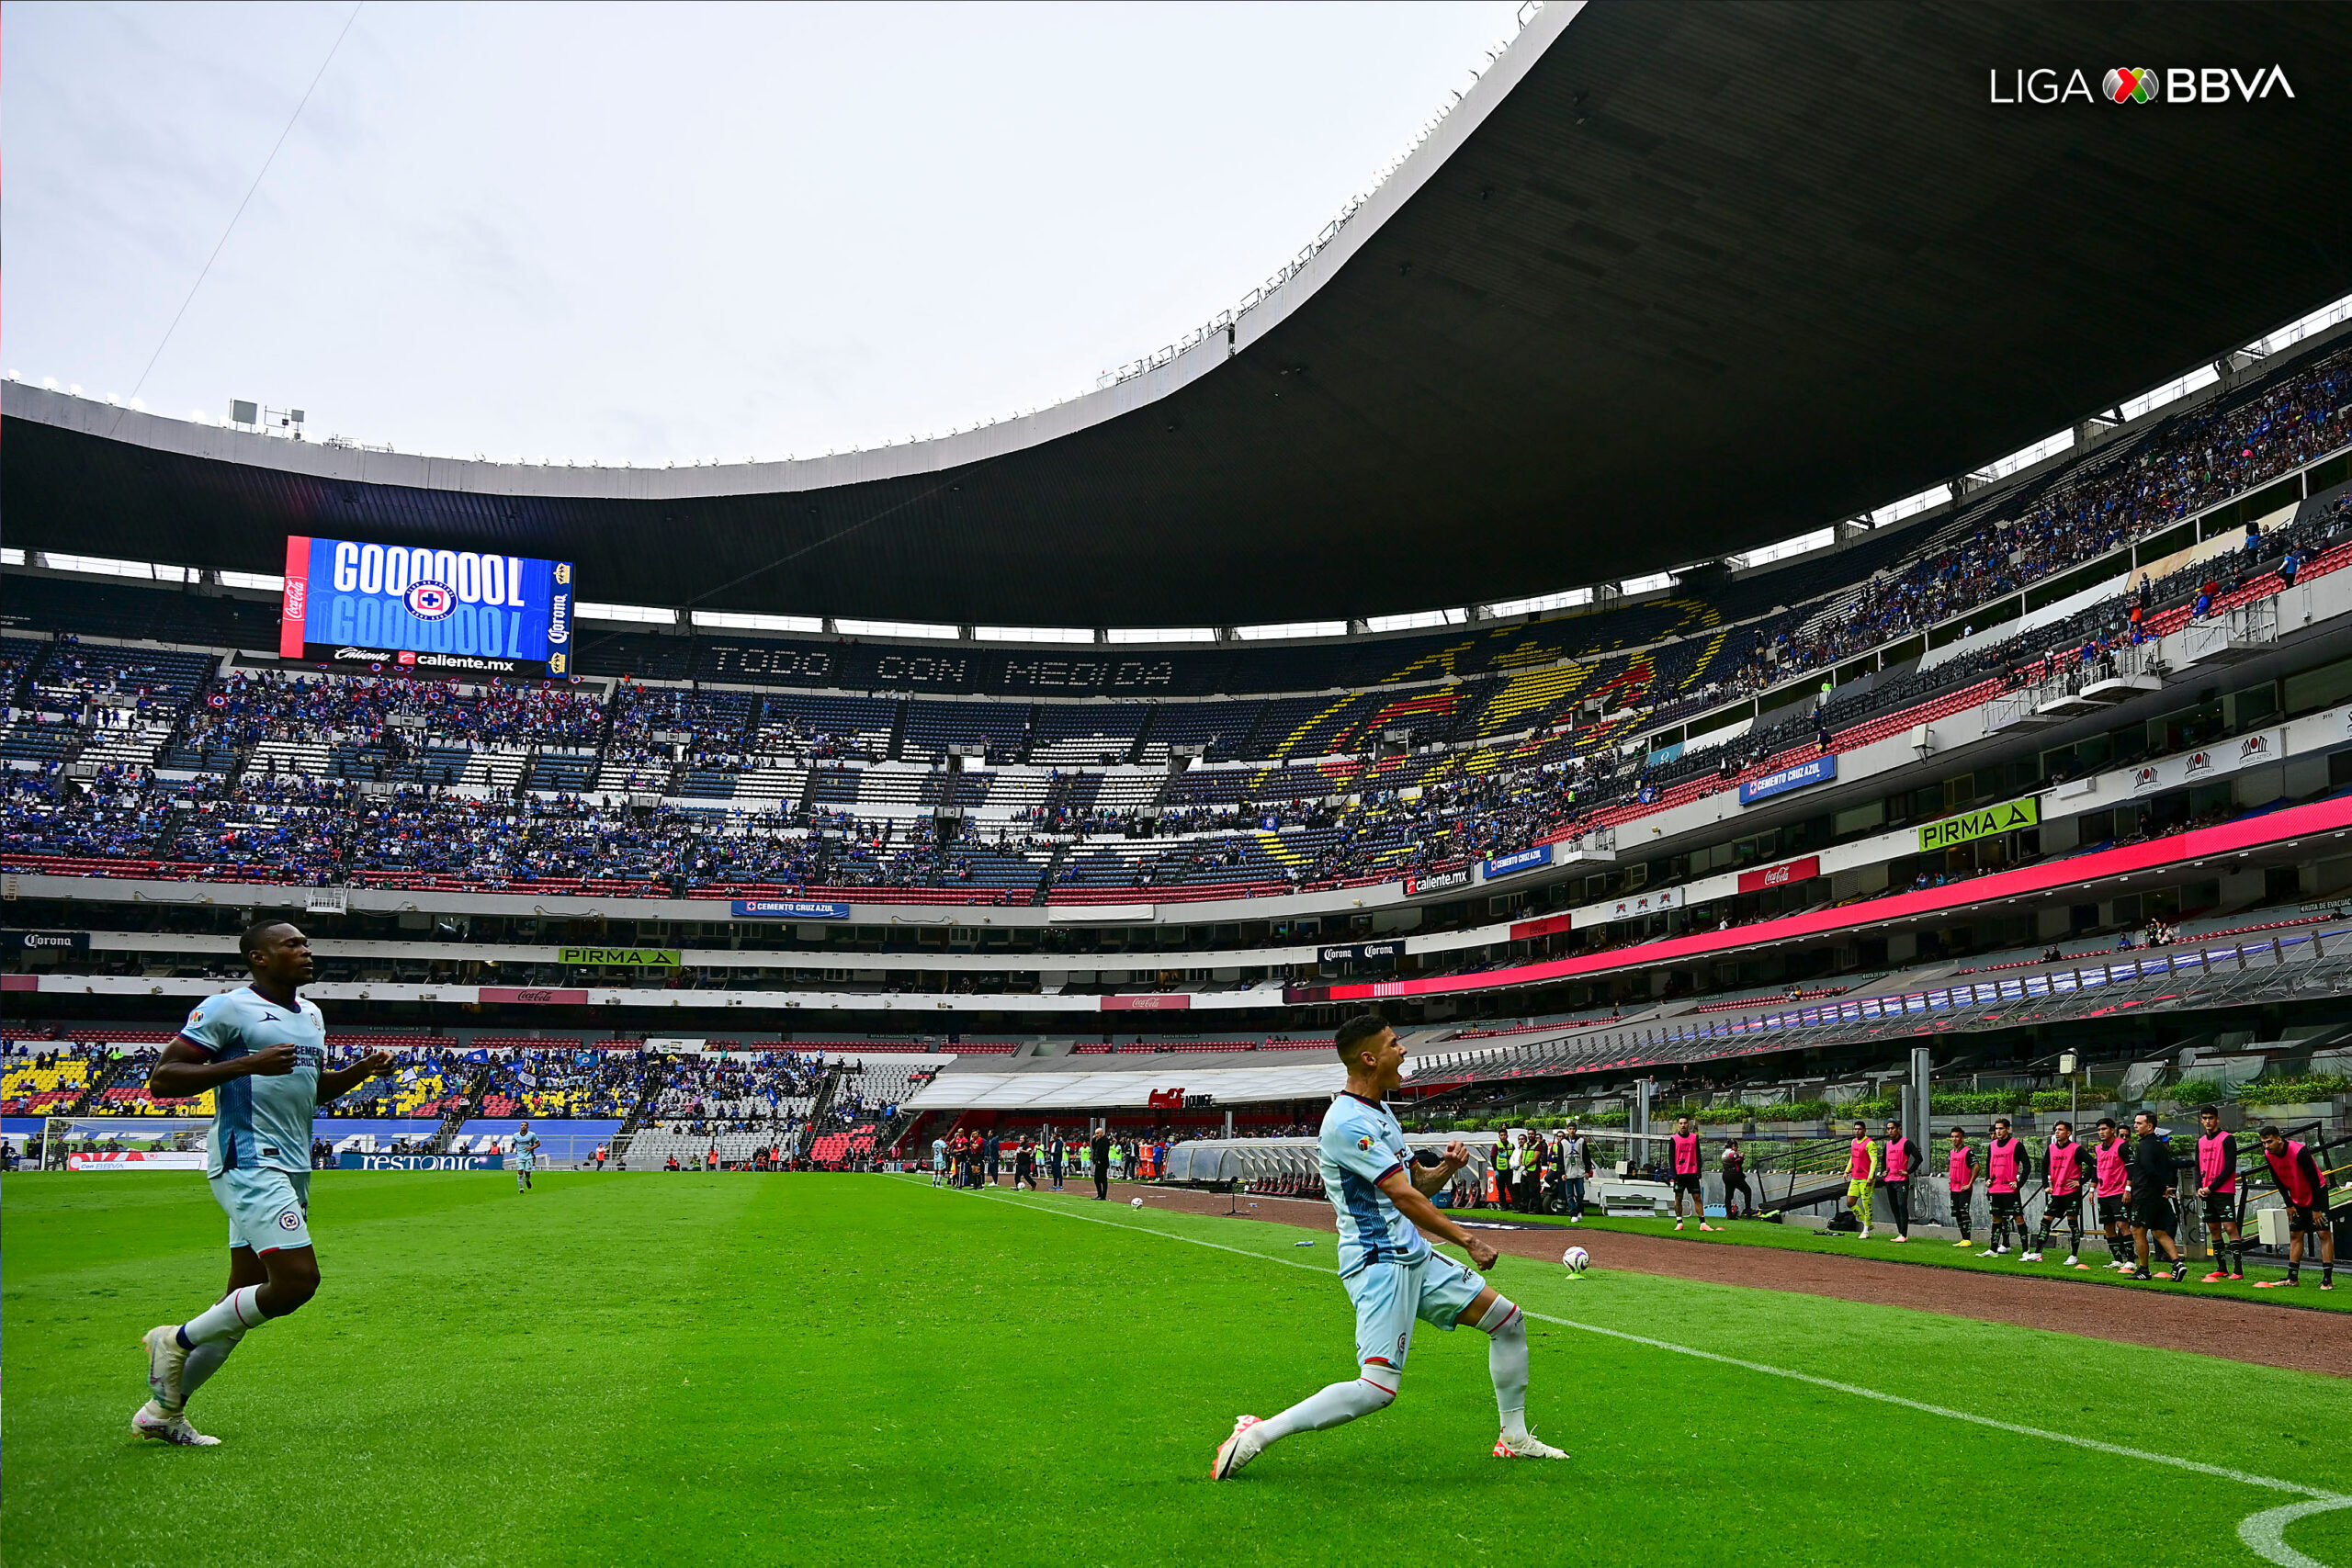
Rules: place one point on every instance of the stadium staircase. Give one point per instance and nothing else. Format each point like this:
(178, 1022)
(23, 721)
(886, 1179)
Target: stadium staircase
(159, 847)
(464, 1113)
(121, 1069)
(887, 1136)
(898, 731)
(639, 1113)
(816, 1108)
(1044, 893)
(1143, 738)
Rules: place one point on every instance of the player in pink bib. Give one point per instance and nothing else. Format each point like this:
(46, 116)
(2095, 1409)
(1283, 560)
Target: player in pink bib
(1862, 1175)
(1961, 1164)
(2217, 1184)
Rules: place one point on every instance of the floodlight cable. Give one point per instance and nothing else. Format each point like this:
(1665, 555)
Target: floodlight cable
(205, 270)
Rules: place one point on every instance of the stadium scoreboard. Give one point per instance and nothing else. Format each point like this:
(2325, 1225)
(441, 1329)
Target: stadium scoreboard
(454, 612)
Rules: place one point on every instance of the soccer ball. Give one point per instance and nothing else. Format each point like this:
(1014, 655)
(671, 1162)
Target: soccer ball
(1135, 1202)
(1577, 1258)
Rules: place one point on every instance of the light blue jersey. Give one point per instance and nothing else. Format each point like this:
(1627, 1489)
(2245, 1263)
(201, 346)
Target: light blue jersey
(260, 1121)
(527, 1150)
(1361, 1142)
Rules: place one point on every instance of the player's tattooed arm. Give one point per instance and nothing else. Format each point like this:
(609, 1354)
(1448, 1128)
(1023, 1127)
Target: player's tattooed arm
(184, 1071)
(335, 1084)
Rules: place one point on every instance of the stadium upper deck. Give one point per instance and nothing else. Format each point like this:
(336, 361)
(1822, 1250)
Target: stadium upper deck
(1421, 756)
(1571, 339)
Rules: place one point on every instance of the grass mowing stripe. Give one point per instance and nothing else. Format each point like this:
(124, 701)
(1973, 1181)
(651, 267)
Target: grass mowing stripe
(2323, 1499)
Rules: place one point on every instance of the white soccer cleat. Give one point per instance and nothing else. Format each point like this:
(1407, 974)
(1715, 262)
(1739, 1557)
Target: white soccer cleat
(1238, 1450)
(165, 1357)
(1527, 1445)
(172, 1426)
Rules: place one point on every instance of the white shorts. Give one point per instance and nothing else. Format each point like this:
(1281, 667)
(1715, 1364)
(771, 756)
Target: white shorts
(270, 1211)
(1388, 1297)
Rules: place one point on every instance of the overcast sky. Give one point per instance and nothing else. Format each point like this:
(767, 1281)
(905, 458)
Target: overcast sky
(664, 233)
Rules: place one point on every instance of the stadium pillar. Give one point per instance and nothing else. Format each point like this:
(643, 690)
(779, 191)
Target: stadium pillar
(1641, 1108)
(1914, 1120)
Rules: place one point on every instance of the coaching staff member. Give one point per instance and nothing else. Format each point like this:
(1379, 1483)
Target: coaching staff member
(1100, 1150)
(2152, 1188)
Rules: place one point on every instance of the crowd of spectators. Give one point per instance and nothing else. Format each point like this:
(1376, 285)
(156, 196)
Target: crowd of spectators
(563, 1084)
(1270, 835)
(249, 706)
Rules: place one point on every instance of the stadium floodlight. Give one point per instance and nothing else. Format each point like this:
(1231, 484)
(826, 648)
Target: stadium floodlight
(1033, 634)
(1416, 620)
(738, 620)
(636, 614)
(1567, 599)
(893, 628)
(2172, 391)
(1912, 505)
(1280, 630)
(1820, 538)
(1161, 634)
(104, 566)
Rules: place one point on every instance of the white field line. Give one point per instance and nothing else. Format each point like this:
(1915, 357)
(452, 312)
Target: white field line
(2263, 1532)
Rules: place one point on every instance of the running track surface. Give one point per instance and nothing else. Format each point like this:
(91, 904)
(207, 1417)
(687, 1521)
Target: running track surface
(2204, 1326)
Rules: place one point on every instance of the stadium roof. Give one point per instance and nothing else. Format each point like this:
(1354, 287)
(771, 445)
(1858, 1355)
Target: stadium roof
(1674, 280)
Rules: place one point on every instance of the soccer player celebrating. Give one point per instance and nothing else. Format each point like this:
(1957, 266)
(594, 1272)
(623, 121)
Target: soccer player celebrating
(1387, 1267)
(526, 1155)
(2217, 1184)
(261, 1050)
(2111, 1161)
(1962, 1163)
(2006, 1160)
(2304, 1186)
(2065, 1164)
(1687, 1180)
(2153, 1182)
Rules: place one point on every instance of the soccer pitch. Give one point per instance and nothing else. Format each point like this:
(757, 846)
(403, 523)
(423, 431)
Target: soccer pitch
(731, 1367)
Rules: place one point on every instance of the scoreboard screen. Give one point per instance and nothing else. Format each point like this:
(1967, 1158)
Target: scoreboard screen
(453, 611)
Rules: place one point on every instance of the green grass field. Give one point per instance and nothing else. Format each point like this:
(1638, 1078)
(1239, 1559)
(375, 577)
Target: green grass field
(804, 1369)
(1931, 1253)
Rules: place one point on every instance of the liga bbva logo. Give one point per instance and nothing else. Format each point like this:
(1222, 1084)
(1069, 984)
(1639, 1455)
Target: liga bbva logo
(2140, 84)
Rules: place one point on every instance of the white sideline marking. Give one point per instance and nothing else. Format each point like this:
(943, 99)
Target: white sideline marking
(2266, 1533)
(2263, 1532)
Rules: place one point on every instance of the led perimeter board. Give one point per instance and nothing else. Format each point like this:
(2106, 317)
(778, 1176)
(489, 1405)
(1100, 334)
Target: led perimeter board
(425, 609)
